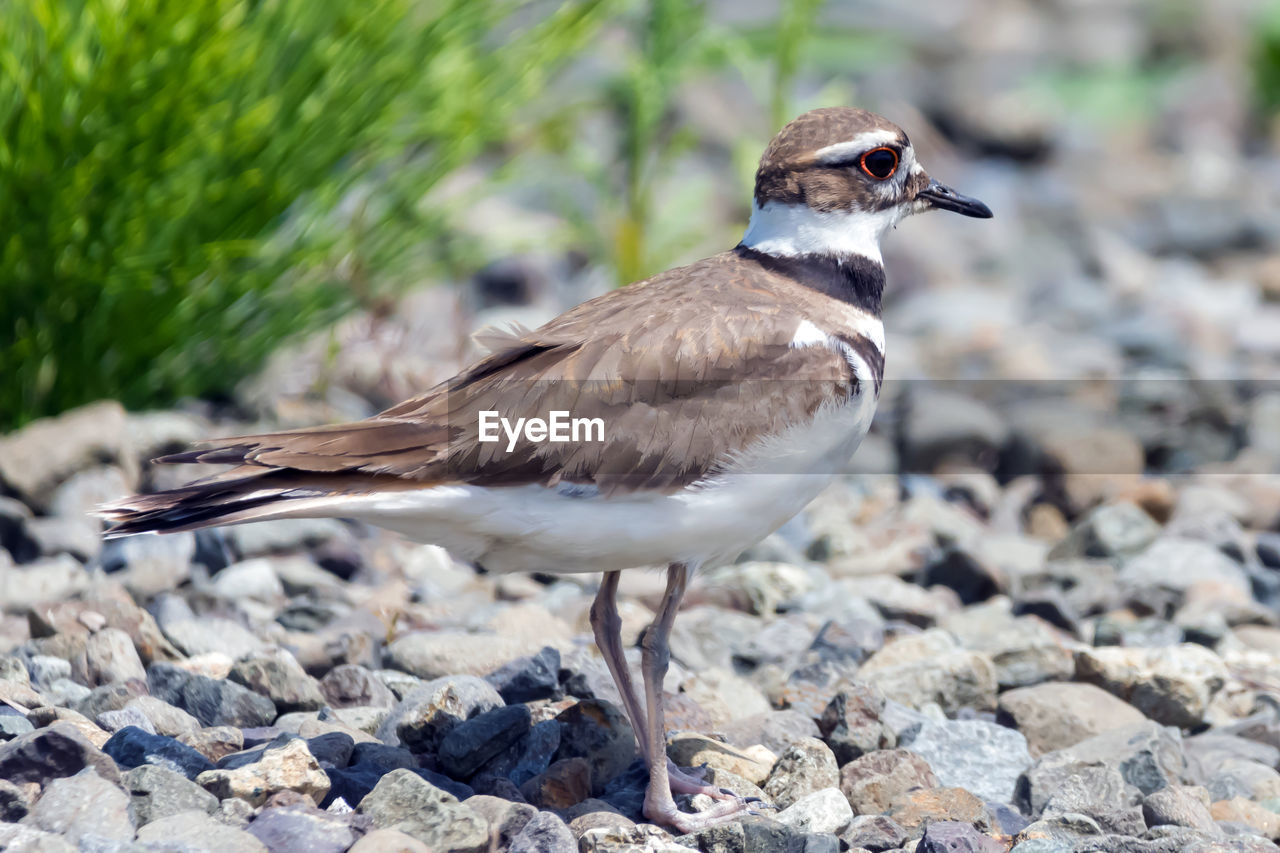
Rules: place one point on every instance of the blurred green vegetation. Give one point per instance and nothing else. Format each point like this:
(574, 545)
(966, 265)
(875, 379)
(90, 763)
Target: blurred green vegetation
(184, 185)
(1267, 60)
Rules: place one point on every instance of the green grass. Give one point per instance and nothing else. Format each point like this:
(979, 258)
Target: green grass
(184, 185)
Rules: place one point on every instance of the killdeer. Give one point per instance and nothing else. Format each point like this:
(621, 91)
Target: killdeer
(716, 400)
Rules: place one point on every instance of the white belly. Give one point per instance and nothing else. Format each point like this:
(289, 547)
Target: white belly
(535, 528)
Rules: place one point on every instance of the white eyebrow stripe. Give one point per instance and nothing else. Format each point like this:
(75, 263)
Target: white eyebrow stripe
(865, 141)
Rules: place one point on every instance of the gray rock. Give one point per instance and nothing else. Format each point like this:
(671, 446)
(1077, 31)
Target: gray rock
(1098, 792)
(110, 697)
(404, 801)
(276, 674)
(473, 743)
(212, 702)
(444, 653)
(807, 766)
(1107, 531)
(431, 710)
(251, 579)
(27, 839)
(875, 833)
(950, 836)
(114, 721)
(197, 635)
(1024, 650)
(506, 819)
(150, 565)
(13, 723)
(287, 766)
(165, 719)
(981, 757)
(775, 730)
(83, 806)
(826, 810)
(928, 667)
(872, 782)
(599, 733)
(156, 793)
(195, 830)
(47, 669)
(851, 724)
(299, 829)
(1172, 566)
(36, 458)
(544, 833)
(1180, 805)
(1058, 715)
(52, 752)
(349, 685)
(1173, 686)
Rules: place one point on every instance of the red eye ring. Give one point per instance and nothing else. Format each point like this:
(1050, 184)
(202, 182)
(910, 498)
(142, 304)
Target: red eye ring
(877, 169)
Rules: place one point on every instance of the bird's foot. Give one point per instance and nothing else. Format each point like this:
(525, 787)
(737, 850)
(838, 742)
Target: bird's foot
(691, 780)
(731, 806)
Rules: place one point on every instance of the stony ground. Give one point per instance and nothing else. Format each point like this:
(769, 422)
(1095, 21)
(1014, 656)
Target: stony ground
(918, 663)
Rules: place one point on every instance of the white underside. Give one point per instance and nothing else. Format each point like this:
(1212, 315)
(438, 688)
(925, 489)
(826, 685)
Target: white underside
(534, 528)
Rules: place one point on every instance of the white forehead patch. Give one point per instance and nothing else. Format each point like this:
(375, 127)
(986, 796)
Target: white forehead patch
(841, 152)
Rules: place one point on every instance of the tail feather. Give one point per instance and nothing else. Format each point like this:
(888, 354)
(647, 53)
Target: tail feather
(204, 503)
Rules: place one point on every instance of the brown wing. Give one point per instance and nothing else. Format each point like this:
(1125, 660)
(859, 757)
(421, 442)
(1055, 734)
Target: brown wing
(683, 371)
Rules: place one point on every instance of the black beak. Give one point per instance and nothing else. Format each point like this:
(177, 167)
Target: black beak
(943, 197)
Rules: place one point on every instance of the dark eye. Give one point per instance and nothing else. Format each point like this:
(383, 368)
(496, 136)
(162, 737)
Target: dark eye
(880, 163)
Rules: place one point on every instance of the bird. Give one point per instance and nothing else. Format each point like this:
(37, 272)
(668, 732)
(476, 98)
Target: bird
(697, 411)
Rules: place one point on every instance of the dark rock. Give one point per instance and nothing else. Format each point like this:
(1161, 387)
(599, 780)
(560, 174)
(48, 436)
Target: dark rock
(536, 751)
(277, 675)
(14, 802)
(301, 830)
(528, 679)
(381, 755)
(599, 733)
(470, 744)
(212, 702)
(972, 580)
(133, 747)
(351, 686)
(332, 749)
(156, 792)
(851, 725)
(875, 833)
(954, 837)
(565, 783)
(848, 640)
(52, 752)
(544, 833)
(403, 800)
(429, 711)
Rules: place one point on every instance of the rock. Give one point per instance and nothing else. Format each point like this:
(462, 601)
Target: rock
(1241, 810)
(164, 718)
(349, 685)
(1146, 756)
(872, 781)
(1024, 650)
(255, 580)
(331, 749)
(52, 752)
(1241, 777)
(599, 733)
(916, 809)
(36, 458)
(533, 754)
(15, 801)
(109, 697)
(297, 828)
(442, 653)
(981, 757)
(644, 838)
(290, 767)
(1180, 805)
(406, 802)
(956, 837)
(1108, 531)
(875, 833)
(528, 679)
(195, 636)
(895, 598)
(544, 833)
(774, 730)
(114, 721)
(13, 723)
(156, 793)
(83, 806)
(806, 767)
(27, 839)
(693, 750)
(1173, 686)
(825, 810)
(47, 715)
(1171, 566)
(277, 675)
(1097, 792)
(506, 819)
(565, 783)
(473, 743)
(212, 702)
(928, 667)
(431, 710)
(972, 579)
(150, 565)
(850, 724)
(194, 830)
(133, 747)
(25, 587)
(215, 742)
(389, 841)
(1058, 715)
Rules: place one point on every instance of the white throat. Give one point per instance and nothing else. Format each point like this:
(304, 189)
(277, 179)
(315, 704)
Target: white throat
(797, 229)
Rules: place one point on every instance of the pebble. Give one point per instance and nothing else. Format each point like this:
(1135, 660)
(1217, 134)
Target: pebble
(290, 767)
(528, 679)
(929, 667)
(1061, 714)
(824, 810)
(134, 747)
(471, 744)
(277, 675)
(1173, 686)
(445, 653)
(806, 767)
(851, 724)
(1180, 805)
(211, 701)
(599, 733)
(353, 686)
(404, 801)
(982, 757)
(873, 781)
(916, 809)
(875, 833)
(83, 808)
(155, 793)
(956, 837)
(431, 710)
(544, 833)
(301, 829)
(196, 830)
(52, 752)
